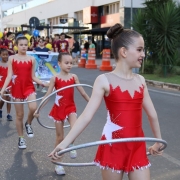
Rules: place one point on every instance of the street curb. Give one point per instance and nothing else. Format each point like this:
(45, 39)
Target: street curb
(163, 85)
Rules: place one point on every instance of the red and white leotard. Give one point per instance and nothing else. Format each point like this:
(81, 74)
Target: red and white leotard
(3, 75)
(64, 101)
(22, 83)
(124, 120)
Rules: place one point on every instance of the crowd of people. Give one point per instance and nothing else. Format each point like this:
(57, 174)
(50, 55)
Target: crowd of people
(58, 44)
(125, 95)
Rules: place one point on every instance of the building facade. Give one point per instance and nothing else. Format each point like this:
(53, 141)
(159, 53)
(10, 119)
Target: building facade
(108, 12)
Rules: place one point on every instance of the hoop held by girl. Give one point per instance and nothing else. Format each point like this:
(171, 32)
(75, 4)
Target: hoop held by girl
(21, 71)
(64, 107)
(125, 95)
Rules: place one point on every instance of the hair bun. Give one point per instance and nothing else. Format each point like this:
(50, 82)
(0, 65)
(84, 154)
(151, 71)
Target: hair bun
(115, 31)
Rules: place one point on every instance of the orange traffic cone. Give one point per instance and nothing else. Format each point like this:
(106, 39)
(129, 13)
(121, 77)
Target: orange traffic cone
(91, 64)
(106, 63)
(82, 61)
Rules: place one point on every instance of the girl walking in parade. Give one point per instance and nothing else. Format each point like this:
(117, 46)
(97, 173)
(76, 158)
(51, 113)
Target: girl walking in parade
(64, 107)
(21, 71)
(3, 74)
(125, 95)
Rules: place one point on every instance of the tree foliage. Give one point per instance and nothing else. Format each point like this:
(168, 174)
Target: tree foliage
(159, 23)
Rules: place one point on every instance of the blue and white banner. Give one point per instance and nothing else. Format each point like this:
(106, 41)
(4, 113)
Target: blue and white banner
(46, 64)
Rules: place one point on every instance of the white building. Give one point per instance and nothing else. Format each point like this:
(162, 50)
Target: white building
(52, 10)
(98, 15)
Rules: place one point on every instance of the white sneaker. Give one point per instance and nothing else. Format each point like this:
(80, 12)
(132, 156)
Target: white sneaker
(59, 170)
(22, 143)
(43, 90)
(73, 153)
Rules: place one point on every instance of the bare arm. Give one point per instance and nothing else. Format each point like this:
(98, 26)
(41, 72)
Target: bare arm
(81, 89)
(9, 76)
(153, 119)
(50, 89)
(100, 88)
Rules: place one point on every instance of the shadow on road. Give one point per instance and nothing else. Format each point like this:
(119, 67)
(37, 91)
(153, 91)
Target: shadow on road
(23, 167)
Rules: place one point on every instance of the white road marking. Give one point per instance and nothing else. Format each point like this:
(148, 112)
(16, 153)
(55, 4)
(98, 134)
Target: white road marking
(162, 92)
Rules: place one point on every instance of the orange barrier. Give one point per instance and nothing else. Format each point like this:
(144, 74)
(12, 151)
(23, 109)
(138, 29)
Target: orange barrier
(106, 63)
(91, 63)
(82, 61)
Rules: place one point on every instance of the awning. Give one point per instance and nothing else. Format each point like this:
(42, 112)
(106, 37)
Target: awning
(92, 31)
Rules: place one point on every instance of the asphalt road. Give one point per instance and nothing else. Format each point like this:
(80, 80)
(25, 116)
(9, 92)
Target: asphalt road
(33, 163)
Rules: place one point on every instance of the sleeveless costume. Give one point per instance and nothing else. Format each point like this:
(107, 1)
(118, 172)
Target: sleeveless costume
(64, 101)
(22, 83)
(124, 120)
(3, 75)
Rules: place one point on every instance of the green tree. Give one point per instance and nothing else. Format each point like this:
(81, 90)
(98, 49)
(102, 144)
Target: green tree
(161, 30)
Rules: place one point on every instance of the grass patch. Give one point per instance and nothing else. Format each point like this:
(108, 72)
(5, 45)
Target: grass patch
(175, 79)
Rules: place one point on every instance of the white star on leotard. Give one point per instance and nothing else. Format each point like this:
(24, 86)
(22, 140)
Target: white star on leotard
(109, 128)
(57, 99)
(1, 78)
(13, 78)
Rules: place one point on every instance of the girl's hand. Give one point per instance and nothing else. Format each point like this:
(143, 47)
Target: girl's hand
(154, 150)
(36, 114)
(54, 154)
(45, 84)
(1, 93)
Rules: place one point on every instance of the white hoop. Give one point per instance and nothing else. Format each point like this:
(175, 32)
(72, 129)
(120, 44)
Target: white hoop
(40, 105)
(146, 139)
(20, 102)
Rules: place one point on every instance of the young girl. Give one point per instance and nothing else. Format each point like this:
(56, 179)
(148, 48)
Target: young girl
(125, 94)
(64, 107)
(3, 74)
(21, 70)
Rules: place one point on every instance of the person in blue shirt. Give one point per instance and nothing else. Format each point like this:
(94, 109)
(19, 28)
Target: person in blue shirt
(41, 47)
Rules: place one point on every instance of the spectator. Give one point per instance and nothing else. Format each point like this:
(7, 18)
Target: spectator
(75, 51)
(91, 45)
(63, 45)
(41, 47)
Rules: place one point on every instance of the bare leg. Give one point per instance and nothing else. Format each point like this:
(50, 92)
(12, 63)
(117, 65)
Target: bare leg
(59, 132)
(107, 174)
(72, 119)
(32, 108)
(8, 105)
(19, 118)
(2, 103)
(140, 174)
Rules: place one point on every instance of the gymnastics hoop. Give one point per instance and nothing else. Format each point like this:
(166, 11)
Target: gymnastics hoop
(54, 92)
(20, 102)
(122, 140)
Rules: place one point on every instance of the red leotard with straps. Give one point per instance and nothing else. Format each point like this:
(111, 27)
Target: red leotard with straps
(22, 83)
(3, 75)
(64, 101)
(124, 120)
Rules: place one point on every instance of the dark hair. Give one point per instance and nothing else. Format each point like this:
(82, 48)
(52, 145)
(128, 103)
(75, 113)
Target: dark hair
(62, 34)
(3, 50)
(20, 38)
(41, 39)
(61, 55)
(121, 37)
(32, 38)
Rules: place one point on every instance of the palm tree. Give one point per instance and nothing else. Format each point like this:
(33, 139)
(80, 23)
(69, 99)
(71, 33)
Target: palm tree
(162, 30)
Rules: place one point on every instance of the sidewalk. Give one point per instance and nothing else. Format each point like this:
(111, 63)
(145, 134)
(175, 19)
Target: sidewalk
(160, 84)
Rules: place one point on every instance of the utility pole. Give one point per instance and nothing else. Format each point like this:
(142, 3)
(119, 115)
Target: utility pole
(131, 13)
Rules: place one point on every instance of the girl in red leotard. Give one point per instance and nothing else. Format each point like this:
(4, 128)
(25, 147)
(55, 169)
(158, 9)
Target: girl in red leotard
(21, 71)
(64, 107)
(3, 74)
(125, 94)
